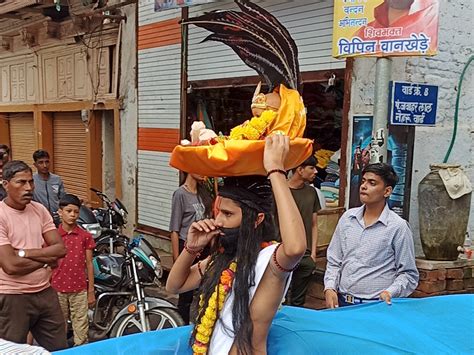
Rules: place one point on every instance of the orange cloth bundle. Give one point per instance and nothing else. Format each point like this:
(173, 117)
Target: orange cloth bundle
(245, 157)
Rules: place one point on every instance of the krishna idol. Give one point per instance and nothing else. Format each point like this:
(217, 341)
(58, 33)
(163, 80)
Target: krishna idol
(242, 283)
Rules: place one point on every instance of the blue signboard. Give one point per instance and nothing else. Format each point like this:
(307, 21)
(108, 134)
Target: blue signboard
(413, 104)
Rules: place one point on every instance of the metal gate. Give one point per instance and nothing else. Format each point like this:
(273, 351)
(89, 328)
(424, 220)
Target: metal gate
(22, 136)
(69, 141)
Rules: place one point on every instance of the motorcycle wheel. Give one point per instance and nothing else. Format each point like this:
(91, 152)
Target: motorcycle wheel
(158, 318)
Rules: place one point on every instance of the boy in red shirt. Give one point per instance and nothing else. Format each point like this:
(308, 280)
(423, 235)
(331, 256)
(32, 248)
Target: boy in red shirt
(73, 279)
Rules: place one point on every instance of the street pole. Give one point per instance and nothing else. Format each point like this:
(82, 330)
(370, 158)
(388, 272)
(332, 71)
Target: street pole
(378, 150)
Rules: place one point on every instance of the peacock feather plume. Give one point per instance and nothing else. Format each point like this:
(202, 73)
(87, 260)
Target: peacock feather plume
(258, 38)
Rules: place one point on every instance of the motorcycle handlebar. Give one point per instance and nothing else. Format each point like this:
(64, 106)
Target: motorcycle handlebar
(102, 196)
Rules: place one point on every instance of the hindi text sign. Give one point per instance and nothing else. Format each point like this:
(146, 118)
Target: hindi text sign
(413, 104)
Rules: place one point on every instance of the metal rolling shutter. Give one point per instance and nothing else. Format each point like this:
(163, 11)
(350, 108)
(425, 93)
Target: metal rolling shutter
(159, 75)
(22, 136)
(308, 21)
(69, 138)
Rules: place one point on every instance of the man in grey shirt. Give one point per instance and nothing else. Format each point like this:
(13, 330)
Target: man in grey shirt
(371, 255)
(49, 188)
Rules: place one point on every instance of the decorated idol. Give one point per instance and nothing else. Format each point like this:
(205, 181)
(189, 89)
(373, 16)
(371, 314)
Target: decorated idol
(243, 282)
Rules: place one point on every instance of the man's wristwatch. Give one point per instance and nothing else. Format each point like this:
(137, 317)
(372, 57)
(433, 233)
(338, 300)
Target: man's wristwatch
(21, 253)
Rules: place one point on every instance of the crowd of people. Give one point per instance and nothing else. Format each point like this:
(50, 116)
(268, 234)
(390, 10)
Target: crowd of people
(46, 274)
(370, 257)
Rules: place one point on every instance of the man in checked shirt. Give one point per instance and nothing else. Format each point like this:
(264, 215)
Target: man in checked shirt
(371, 255)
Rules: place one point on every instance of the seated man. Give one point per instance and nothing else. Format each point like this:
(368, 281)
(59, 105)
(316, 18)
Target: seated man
(243, 282)
(371, 255)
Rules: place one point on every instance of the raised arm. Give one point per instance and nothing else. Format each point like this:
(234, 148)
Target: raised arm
(271, 288)
(293, 235)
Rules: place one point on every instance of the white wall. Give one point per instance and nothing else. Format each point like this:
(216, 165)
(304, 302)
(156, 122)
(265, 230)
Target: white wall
(444, 70)
(431, 144)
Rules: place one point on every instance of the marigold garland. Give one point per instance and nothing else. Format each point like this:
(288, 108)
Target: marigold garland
(216, 302)
(255, 128)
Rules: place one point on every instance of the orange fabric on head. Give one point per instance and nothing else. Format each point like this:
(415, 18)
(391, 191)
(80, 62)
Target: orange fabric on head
(234, 157)
(245, 157)
(291, 119)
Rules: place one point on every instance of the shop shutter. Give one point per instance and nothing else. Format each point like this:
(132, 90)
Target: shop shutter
(69, 141)
(22, 136)
(159, 72)
(308, 21)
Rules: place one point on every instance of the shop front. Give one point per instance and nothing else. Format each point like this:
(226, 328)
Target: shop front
(58, 88)
(182, 79)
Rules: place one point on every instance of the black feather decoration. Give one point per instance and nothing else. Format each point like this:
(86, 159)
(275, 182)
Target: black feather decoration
(258, 38)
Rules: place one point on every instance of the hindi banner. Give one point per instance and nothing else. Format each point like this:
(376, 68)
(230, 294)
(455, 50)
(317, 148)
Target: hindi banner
(385, 28)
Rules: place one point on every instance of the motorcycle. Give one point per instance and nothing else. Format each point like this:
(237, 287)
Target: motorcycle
(105, 224)
(122, 307)
(114, 215)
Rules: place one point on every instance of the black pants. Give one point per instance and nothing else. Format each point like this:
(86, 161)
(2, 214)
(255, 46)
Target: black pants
(36, 312)
(300, 281)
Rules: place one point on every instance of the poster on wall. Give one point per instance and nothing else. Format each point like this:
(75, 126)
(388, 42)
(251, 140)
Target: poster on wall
(385, 27)
(399, 152)
(161, 5)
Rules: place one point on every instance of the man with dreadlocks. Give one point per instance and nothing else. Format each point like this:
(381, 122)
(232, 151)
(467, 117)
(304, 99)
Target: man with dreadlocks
(244, 281)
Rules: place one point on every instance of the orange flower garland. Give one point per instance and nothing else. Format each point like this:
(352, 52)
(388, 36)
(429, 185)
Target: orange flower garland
(216, 303)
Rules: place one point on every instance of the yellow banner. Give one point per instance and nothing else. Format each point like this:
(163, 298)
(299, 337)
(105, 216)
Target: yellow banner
(385, 28)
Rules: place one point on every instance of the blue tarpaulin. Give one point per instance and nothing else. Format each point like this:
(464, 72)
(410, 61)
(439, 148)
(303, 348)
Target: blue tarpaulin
(434, 325)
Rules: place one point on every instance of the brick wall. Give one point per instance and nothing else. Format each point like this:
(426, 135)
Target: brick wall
(444, 277)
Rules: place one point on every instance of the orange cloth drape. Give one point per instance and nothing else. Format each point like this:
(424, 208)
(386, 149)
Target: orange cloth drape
(245, 157)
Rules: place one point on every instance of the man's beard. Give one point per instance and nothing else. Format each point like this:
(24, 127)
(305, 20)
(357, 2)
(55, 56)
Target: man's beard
(400, 4)
(228, 241)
